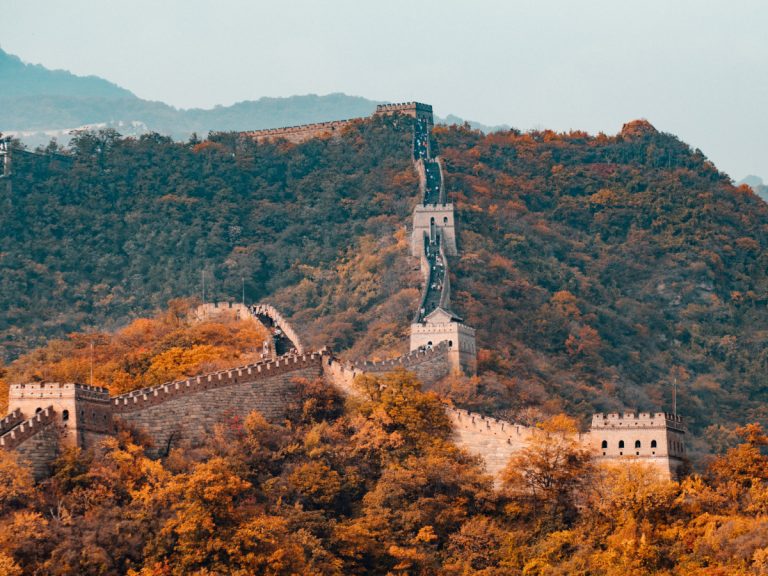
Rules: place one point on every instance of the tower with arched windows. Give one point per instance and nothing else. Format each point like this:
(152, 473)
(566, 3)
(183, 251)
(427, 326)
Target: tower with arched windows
(84, 413)
(657, 438)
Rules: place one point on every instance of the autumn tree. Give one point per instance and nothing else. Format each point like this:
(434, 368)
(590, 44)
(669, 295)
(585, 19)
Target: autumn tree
(544, 479)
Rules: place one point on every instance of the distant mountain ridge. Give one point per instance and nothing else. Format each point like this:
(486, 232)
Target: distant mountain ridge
(757, 184)
(37, 104)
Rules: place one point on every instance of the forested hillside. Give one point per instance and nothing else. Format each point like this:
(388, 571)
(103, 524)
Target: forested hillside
(598, 270)
(376, 487)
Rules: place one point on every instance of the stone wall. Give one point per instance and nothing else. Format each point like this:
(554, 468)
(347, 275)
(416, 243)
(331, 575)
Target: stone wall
(280, 321)
(304, 132)
(462, 353)
(297, 134)
(186, 412)
(36, 441)
(495, 441)
(11, 421)
(413, 109)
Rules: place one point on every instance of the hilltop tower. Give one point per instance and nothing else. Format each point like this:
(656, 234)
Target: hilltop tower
(84, 413)
(657, 438)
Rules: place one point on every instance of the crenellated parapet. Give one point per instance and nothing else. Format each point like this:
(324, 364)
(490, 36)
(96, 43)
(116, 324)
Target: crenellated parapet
(333, 128)
(249, 374)
(409, 360)
(82, 410)
(28, 428)
(416, 110)
(655, 437)
(300, 133)
(11, 421)
(277, 320)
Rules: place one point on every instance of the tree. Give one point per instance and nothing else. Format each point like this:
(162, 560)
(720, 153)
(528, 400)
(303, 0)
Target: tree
(543, 480)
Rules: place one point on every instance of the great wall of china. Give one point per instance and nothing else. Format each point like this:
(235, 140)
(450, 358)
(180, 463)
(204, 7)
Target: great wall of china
(45, 416)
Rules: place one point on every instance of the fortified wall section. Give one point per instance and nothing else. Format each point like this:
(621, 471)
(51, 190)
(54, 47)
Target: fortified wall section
(428, 365)
(188, 411)
(269, 311)
(11, 421)
(36, 441)
(297, 134)
(285, 338)
(432, 240)
(495, 441)
(304, 132)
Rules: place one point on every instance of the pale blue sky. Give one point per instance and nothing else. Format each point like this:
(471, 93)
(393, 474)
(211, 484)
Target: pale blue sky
(696, 68)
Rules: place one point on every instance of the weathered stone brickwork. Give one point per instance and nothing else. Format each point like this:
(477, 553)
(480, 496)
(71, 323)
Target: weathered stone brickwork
(304, 132)
(656, 438)
(496, 441)
(36, 441)
(297, 134)
(11, 421)
(83, 412)
(188, 410)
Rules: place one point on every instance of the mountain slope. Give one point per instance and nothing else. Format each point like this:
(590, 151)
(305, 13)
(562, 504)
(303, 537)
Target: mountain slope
(598, 270)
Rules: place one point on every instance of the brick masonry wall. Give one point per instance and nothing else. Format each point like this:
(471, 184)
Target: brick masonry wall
(296, 134)
(496, 441)
(36, 441)
(187, 418)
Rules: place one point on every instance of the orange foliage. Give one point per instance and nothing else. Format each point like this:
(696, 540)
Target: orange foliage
(146, 352)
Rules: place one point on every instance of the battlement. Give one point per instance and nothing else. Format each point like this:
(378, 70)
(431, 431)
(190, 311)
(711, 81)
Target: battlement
(57, 390)
(214, 309)
(405, 361)
(279, 320)
(300, 133)
(656, 437)
(139, 400)
(626, 420)
(11, 421)
(415, 109)
(508, 431)
(27, 428)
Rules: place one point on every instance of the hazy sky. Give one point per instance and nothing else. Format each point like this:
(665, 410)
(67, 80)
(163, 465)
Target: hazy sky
(696, 68)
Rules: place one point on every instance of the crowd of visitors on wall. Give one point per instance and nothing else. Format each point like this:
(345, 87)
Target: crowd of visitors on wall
(436, 279)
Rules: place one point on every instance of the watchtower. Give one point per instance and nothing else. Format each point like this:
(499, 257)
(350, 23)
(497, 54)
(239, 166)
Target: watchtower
(443, 326)
(657, 438)
(416, 110)
(83, 412)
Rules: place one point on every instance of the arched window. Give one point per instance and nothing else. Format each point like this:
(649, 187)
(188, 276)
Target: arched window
(653, 443)
(432, 220)
(445, 219)
(637, 443)
(450, 343)
(621, 443)
(38, 410)
(604, 444)
(65, 415)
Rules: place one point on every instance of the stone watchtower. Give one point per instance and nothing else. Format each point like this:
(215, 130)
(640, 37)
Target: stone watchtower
(84, 413)
(657, 438)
